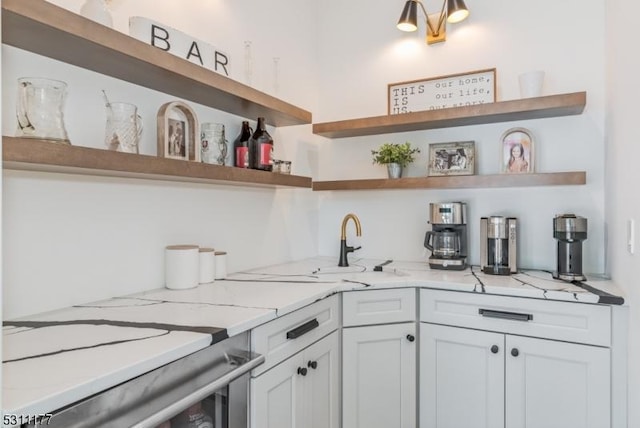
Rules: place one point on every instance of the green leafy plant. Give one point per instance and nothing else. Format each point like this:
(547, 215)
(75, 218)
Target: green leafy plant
(401, 154)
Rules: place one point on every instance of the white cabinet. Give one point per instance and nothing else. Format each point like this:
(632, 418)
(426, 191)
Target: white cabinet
(379, 376)
(553, 384)
(322, 384)
(301, 392)
(378, 306)
(461, 378)
(379, 387)
(275, 396)
(298, 386)
(475, 378)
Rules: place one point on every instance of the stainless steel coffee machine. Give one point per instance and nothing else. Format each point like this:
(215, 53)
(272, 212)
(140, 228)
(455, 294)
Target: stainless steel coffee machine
(498, 245)
(447, 239)
(570, 230)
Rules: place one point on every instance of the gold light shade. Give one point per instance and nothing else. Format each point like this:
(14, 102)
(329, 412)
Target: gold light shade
(409, 18)
(456, 11)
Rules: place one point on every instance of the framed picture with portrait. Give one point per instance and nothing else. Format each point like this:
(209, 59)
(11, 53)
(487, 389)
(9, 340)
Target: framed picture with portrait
(178, 134)
(457, 158)
(517, 148)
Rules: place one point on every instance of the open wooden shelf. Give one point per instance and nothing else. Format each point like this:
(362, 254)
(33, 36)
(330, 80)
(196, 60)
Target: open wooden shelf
(459, 182)
(45, 156)
(503, 111)
(43, 28)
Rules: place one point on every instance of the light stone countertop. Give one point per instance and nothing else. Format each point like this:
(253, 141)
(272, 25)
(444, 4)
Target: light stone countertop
(53, 359)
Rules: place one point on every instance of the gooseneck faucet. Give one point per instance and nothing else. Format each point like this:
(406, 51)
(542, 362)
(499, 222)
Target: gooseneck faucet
(344, 249)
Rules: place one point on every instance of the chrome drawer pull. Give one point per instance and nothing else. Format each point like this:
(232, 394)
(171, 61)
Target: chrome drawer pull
(303, 329)
(514, 316)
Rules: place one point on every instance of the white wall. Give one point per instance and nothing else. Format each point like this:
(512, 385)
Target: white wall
(72, 239)
(623, 177)
(361, 52)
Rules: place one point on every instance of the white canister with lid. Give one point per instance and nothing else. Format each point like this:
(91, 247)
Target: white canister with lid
(207, 265)
(181, 266)
(221, 264)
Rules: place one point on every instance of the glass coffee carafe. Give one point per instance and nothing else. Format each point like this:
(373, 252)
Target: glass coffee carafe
(39, 109)
(446, 243)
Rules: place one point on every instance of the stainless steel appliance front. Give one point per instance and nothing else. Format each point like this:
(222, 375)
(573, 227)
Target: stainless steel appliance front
(213, 381)
(447, 239)
(498, 245)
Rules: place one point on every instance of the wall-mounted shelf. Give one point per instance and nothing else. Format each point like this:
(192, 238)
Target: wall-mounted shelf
(45, 156)
(43, 28)
(459, 182)
(503, 111)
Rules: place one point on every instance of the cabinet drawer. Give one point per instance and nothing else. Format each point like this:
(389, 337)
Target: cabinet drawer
(571, 322)
(378, 306)
(283, 337)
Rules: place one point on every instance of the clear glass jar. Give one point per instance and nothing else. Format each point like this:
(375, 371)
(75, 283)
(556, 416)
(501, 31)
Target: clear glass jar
(285, 167)
(213, 143)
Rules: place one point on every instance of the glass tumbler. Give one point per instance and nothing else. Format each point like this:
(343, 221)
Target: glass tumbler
(213, 143)
(124, 127)
(39, 109)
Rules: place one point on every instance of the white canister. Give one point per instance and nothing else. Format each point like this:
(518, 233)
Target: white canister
(181, 263)
(221, 264)
(207, 265)
(531, 84)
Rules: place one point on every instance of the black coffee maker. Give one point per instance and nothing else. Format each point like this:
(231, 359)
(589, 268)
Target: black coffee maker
(447, 239)
(570, 230)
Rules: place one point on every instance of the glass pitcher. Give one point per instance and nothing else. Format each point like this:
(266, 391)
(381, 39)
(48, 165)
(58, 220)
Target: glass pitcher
(124, 127)
(39, 109)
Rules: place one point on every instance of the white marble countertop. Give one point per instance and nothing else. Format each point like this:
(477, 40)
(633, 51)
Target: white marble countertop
(56, 358)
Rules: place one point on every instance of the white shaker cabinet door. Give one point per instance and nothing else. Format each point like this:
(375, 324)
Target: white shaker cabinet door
(379, 376)
(322, 395)
(302, 391)
(461, 378)
(277, 396)
(556, 384)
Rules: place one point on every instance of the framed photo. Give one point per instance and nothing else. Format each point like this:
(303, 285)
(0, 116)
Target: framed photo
(457, 158)
(517, 151)
(435, 93)
(178, 134)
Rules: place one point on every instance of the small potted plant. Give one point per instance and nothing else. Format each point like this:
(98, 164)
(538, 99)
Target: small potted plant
(395, 156)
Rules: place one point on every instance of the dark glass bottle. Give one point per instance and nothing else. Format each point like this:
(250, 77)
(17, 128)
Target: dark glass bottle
(261, 148)
(241, 146)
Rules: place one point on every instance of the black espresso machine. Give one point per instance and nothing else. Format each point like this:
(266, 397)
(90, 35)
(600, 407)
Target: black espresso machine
(447, 239)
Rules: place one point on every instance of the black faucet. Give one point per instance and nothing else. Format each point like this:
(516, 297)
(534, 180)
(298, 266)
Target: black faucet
(344, 248)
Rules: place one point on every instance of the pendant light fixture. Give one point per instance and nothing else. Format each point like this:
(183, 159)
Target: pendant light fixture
(453, 11)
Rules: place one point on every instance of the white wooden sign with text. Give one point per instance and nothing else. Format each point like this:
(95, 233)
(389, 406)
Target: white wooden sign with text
(455, 90)
(180, 44)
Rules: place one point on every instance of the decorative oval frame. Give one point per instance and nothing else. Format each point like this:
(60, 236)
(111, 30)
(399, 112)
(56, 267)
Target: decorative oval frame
(170, 144)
